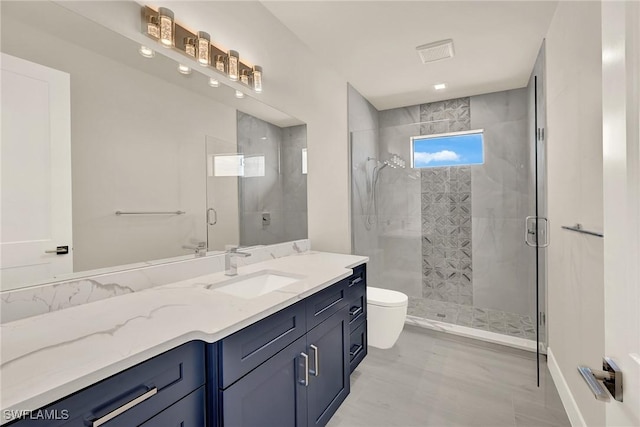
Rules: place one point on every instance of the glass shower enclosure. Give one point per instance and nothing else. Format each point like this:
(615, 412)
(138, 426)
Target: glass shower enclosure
(451, 233)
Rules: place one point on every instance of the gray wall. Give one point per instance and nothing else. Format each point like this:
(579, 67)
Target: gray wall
(281, 192)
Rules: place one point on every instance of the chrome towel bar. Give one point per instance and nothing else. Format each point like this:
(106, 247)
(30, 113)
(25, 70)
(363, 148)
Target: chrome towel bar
(118, 213)
(578, 229)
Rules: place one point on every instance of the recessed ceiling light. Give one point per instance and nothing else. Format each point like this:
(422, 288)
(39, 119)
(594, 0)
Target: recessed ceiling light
(146, 52)
(239, 94)
(214, 82)
(440, 86)
(183, 69)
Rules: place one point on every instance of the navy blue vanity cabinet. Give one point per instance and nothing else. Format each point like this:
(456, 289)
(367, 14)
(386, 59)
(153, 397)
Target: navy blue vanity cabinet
(135, 395)
(188, 412)
(357, 295)
(274, 394)
(328, 346)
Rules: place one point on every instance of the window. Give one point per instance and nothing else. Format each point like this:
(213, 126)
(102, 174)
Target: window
(448, 149)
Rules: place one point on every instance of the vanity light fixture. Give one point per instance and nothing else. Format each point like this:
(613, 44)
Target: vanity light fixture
(257, 78)
(219, 63)
(239, 94)
(190, 46)
(244, 76)
(233, 63)
(165, 17)
(160, 25)
(440, 86)
(204, 45)
(146, 52)
(153, 29)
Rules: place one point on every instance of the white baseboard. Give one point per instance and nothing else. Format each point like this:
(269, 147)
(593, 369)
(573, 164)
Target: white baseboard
(464, 331)
(570, 405)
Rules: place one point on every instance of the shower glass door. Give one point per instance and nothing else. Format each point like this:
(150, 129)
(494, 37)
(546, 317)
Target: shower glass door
(452, 237)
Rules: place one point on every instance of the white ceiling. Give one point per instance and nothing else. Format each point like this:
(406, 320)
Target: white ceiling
(372, 44)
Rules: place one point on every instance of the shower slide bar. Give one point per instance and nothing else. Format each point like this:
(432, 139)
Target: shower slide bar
(118, 213)
(578, 229)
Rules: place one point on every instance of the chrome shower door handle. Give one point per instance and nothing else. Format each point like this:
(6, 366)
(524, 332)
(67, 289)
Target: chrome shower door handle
(545, 232)
(530, 224)
(215, 216)
(532, 228)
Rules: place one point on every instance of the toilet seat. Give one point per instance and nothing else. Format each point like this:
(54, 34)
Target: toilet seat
(386, 297)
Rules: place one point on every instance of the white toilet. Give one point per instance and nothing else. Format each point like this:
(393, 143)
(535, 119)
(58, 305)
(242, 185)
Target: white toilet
(386, 311)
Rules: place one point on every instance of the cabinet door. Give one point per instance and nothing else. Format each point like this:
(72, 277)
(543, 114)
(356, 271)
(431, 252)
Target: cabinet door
(273, 394)
(328, 345)
(188, 412)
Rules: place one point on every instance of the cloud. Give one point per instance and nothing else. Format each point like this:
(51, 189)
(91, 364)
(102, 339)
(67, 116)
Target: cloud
(444, 155)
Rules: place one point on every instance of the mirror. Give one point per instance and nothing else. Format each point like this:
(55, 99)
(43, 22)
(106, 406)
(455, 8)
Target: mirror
(145, 173)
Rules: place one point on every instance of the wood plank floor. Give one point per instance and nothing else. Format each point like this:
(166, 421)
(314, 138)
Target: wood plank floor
(433, 379)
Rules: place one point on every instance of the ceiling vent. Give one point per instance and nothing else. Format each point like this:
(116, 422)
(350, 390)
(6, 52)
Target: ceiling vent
(436, 51)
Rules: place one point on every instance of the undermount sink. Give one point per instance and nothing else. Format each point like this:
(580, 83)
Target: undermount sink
(255, 284)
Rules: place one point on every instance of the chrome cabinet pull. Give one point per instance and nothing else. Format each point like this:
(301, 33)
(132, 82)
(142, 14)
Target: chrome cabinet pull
(354, 311)
(355, 349)
(305, 381)
(316, 363)
(215, 216)
(124, 408)
(355, 281)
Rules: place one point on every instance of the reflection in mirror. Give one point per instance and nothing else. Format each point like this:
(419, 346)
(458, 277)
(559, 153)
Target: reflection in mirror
(132, 130)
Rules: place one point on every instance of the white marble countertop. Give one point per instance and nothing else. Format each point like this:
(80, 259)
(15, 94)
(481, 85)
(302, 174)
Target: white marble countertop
(49, 356)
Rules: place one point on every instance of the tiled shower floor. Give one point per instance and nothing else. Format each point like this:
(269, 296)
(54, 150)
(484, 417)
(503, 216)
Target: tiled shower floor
(501, 322)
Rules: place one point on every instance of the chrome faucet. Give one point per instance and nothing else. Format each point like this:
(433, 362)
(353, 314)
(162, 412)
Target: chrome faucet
(230, 262)
(200, 250)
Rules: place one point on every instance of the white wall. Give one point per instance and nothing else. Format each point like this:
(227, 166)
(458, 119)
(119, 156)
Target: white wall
(138, 144)
(575, 266)
(295, 82)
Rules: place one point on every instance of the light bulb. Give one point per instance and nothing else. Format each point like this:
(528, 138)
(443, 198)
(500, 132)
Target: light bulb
(183, 69)
(166, 26)
(213, 82)
(146, 52)
(239, 94)
(204, 41)
(257, 78)
(233, 65)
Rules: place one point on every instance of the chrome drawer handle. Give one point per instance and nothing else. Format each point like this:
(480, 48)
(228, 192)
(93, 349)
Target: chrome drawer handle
(316, 364)
(355, 349)
(355, 281)
(305, 381)
(124, 408)
(354, 311)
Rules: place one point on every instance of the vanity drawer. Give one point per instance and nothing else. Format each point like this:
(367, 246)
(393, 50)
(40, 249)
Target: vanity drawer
(246, 349)
(325, 303)
(188, 412)
(136, 394)
(357, 304)
(358, 345)
(359, 276)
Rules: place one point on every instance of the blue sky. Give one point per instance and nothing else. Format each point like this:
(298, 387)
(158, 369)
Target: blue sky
(453, 150)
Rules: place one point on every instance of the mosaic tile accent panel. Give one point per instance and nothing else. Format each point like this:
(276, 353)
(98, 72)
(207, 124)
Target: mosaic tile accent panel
(501, 322)
(446, 212)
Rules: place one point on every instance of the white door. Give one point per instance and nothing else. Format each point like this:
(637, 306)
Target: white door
(621, 156)
(36, 172)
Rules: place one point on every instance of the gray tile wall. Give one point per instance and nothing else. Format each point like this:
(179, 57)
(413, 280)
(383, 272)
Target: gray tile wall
(446, 212)
(282, 191)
